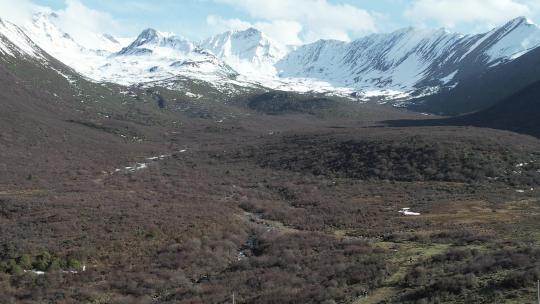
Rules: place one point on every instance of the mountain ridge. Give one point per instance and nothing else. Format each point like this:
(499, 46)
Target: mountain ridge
(400, 67)
(407, 59)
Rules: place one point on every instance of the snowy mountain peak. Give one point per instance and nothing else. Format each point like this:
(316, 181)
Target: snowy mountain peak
(150, 40)
(511, 40)
(15, 42)
(248, 51)
(45, 29)
(148, 36)
(250, 32)
(518, 21)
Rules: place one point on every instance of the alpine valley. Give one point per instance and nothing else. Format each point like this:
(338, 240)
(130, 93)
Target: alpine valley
(400, 167)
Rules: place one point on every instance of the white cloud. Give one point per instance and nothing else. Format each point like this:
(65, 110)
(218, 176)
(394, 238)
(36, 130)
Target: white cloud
(228, 24)
(307, 20)
(287, 32)
(23, 10)
(451, 13)
(284, 31)
(82, 22)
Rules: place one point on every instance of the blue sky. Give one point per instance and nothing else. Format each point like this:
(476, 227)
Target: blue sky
(289, 21)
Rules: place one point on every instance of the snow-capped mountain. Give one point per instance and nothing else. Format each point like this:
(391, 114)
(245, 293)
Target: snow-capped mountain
(395, 60)
(155, 56)
(410, 59)
(152, 56)
(45, 30)
(248, 51)
(400, 65)
(150, 41)
(14, 42)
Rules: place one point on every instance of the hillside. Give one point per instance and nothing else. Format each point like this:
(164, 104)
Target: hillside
(519, 113)
(483, 90)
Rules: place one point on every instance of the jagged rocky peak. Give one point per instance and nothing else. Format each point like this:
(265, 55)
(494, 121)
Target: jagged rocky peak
(150, 39)
(147, 36)
(516, 24)
(520, 21)
(250, 32)
(511, 40)
(250, 45)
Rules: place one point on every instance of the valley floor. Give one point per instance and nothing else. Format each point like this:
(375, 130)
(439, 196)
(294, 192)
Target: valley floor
(282, 208)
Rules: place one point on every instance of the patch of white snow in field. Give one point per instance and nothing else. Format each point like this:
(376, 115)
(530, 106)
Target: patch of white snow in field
(160, 157)
(408, 212)
(36, 272)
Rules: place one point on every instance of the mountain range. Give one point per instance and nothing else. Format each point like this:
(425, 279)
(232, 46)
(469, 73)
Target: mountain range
(426, 70)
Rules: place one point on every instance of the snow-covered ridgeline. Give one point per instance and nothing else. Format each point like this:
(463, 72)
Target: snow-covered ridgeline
(408, 58)
(394, 65)
(14, 41)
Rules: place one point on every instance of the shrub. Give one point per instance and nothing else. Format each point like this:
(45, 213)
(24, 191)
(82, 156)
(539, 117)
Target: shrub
(25, 261)
(42, 261)
(73, 263)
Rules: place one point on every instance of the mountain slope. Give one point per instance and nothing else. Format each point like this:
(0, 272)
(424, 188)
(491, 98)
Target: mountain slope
(519, 113)
(424, 61)
(478, 91)
(14, 42)
(39, 97)
(247, 51)
(394, 60)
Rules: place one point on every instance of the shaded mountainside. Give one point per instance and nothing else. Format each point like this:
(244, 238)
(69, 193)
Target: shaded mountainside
(518, 113)
(479, 91)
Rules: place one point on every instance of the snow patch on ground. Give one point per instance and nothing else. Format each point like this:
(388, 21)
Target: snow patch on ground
(408, 212)
(193, 95)
(145, 165)
(40, 273)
